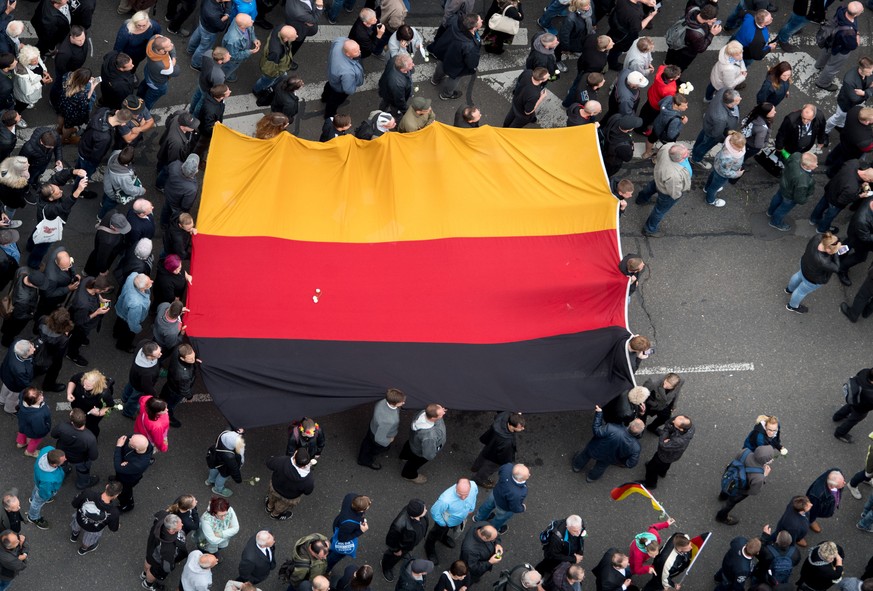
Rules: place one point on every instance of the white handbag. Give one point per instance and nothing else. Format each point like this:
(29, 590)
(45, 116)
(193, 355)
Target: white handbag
(503, 24)
(48, 230)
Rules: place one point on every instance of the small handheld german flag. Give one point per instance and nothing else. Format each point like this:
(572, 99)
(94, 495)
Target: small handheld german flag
(622, 492)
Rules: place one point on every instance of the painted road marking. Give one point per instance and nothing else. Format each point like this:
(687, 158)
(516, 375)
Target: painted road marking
(707, 368)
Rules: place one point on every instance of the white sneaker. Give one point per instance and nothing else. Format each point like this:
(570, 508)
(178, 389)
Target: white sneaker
(562, 66)
(854, 490)
(718, 203)
(702, 164)
(22, 123)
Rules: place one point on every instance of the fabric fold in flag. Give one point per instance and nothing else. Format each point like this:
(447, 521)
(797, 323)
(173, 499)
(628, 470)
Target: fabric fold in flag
(474, 268)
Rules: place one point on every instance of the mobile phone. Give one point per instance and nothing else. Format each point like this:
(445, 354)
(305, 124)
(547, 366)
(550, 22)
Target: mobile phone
(717, 22)
(649, 351)
(658, 6)
(105, 304)
(843, 250)
(98, 79)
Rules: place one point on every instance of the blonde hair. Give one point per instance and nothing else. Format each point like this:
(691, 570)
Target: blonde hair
(98, 378)
(733, 48)
(14, 172)
(737, 139)
(270, 125)
(767, 419)
(828, 551)
(645, 44)
(579, 5)
(138, 17)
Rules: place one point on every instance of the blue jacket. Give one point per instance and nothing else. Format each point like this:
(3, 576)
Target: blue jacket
(613, 444)
(844, 41)
(15, 372)
(735, 567)
(238, 42)
(343, 73)
(509, 495)
(249, 7)
(746, 36)
(34, 422)
(48, 482)
(133, 305)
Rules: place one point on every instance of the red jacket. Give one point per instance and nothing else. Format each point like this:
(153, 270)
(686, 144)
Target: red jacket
(638, 557)
(155, 431)
(659, 89)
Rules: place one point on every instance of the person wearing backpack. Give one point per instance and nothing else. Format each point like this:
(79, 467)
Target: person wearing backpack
(777, 559)
(804, 12)
(689, 38)
(95, 511)
(500, 447)
(747, 473)
(836, 50)
(225, 460)
(853, 413)
(565, 542)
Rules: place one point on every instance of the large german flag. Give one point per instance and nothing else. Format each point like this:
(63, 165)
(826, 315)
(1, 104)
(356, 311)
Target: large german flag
(475, 268)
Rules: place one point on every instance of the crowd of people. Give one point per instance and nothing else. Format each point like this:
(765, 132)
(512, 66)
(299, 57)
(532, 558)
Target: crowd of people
(107, 118)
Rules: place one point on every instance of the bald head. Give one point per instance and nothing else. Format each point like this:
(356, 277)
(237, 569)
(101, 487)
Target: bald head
(207, 561)
(63, 260)
(288, 34)
(593, 108)
(854, 8)
(243, 21)
(487, 533)
(520, 473)
(351, 48)
(139, 443)
(462, 489)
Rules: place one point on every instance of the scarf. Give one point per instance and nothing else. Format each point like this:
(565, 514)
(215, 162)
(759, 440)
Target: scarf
(165, 58)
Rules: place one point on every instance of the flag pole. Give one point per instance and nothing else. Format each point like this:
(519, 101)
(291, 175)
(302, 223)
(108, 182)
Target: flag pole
(654, 500)
(702, 546)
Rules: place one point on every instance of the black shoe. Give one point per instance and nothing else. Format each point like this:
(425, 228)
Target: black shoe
(503, 529)
(182, 32)
(94, 479)
(294, 65)
(86, 549)
(729, 520)
(388, 574)
(830, 88)
(847, 438)
(126, 508)
(78, 360)
(843, 276)
(801, 309)
(74, 537)
(174, 422)
(788, 291)
(266, 25)
(373, 465)
(54, 388)
(844, 308)
(450, 97)
(651, 234)
(449, 542)
(434, 558)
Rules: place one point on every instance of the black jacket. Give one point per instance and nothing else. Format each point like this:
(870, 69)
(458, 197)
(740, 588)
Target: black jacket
(365, 36)
(134, 464)
(50, 25)
(499, 441)
(395, 88)
(562, 546)
(8, 140)
(211, 113)
(406, 582)
(792, 136)
(115, 85)
(177, 241)
(607, 577)
(108, 246)
(285, 102)
(458, 51)
(672, 443)
(856, 139)
(796, 524)
(98, 137)
(866, 401)
(405, 533)
(476, 553)
(844, 188)
(853, 81)
(37, 154)
(253, 564)
(82, 13)
(348, 521)
(286, 480)
(24, 297)
(591, 59)
(180, 382)
(7, 99)
(168, 286)
(164, 550)
(211, 13)
(303, 18)
(816, 266)
(660, 398)
(175, 144)
(93, 514)
(861, 227)
(620, 411)
(79, 446)
(229, 462)
(735, 567)
(618, 145)
(818, 574)
(669, 564)
(69, 58)
(823, 502)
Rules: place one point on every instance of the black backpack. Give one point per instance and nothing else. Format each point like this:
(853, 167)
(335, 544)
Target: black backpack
(824, 37)
(735, 478)
(544, 535)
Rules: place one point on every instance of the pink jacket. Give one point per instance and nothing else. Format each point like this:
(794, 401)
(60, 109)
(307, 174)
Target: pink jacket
(638, 557)
(155, 431)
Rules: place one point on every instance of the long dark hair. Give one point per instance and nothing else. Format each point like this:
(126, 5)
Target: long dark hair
(776, 72)
(762, 110)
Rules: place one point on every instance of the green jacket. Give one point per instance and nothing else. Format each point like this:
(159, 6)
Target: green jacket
(796, 184)
(304, 567)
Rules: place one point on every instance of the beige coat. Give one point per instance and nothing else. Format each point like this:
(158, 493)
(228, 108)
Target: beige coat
(671, 178)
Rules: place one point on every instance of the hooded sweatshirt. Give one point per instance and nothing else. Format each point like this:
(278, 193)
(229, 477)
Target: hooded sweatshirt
(541, 57)
(144, 373)
(727, 72)
(120, 182)
(427, 438)
(499, 441)
(47, 478)
(668, 124)
(194, 576)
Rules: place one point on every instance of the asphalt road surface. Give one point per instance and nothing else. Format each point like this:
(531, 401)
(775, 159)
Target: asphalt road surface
(711, 299)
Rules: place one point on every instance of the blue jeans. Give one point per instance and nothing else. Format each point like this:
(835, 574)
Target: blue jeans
(5, 584)
(333, 12)
(196, 102)
(34, 513)
(867, 515)
(501, 516)
(779, 206)
(736, 17)
(200, 42)
(662, 206)
(230, 69)
(713, 183)
(823, 214)
(703, 145)
(581, 459)
(795, 23)
(263, 83)
(216, 478)
(552, 11)
(108, 205)
(149, 94)
(800, 288)
(130, 399)
(710, 91)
